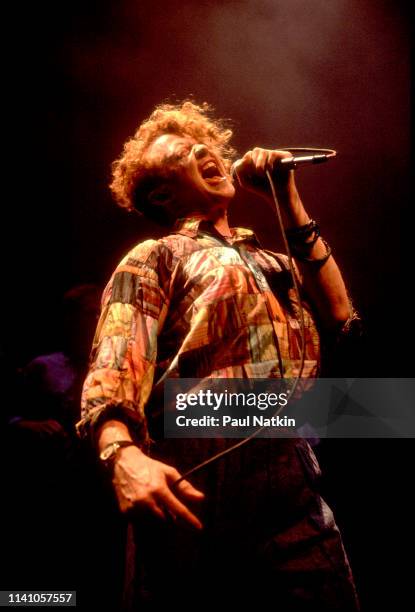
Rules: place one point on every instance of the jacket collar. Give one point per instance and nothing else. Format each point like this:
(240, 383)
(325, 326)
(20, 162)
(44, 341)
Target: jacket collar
(195, 226)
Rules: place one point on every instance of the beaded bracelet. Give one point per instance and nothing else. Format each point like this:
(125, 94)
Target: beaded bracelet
(299, 237)
(316, 262)
(302, 232)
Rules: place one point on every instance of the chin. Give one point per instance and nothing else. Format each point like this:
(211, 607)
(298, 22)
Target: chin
(224, 193)
(230, 189)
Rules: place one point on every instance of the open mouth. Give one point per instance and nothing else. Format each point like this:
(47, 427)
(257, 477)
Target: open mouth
(211, 173)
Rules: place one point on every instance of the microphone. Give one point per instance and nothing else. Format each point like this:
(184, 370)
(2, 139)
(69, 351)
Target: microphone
(291, 163)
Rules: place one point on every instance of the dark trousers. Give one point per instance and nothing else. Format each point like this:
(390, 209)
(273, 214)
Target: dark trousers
(268, 536)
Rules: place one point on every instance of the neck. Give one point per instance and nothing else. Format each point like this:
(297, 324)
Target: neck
(220, 222)
(223, 228)
(219, 218)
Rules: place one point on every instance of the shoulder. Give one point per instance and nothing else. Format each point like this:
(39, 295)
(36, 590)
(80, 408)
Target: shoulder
(53, 370)
(47, 361)
(148, 264)
(142, 253)
(164, 251)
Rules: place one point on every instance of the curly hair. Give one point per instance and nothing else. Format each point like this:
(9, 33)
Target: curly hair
(131, 171)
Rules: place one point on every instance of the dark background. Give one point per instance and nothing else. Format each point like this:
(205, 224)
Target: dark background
(335, 74)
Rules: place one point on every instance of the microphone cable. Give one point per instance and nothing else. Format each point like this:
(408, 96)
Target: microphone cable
(327, 153)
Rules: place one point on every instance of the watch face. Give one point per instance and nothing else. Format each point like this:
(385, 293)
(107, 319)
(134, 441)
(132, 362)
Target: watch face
(107, 452)
(111, 450)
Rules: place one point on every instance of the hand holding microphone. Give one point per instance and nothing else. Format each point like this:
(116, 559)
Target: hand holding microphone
(250, 171)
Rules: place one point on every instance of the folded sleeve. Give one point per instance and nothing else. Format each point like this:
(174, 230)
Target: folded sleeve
(124, 351)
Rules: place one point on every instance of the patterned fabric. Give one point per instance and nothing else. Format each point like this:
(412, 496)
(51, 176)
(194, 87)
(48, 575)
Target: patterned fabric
(193, 305)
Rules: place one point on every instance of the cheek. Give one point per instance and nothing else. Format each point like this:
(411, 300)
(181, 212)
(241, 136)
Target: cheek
(189, 184)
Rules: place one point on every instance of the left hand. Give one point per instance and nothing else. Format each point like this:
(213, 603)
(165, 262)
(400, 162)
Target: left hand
(251, 172)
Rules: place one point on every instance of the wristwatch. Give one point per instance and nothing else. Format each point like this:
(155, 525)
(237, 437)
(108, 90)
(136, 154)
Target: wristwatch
(108, 454)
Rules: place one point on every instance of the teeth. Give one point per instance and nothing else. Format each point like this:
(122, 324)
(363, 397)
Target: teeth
(210, 170)
(211, 164)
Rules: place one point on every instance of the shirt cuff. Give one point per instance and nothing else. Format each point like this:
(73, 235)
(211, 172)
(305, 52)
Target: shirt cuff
(125, 412)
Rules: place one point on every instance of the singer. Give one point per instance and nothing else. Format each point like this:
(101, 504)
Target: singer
(206, 301)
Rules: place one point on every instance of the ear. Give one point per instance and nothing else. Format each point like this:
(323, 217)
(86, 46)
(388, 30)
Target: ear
(160, 196)
(157, 205)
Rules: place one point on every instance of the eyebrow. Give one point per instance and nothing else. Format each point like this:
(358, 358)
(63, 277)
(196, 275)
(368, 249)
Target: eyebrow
(177, 150)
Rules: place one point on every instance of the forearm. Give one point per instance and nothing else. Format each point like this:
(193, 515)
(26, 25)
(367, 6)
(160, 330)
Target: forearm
(324, 284)
(322, 280)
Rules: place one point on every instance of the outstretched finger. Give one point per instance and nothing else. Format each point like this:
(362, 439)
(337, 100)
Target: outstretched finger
(159, 512)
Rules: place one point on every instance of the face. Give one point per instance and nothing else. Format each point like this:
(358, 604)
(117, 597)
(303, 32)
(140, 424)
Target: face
(196, 180)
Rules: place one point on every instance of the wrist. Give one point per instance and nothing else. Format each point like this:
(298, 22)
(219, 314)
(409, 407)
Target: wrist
(126, 452)
(111, 453)
(112, 431)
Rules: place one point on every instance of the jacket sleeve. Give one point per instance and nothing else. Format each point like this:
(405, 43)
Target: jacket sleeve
(124, 350)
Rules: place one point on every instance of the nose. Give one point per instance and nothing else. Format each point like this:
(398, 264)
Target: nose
(200, 151)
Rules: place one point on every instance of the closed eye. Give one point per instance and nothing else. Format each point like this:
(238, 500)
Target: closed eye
(178, 155)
